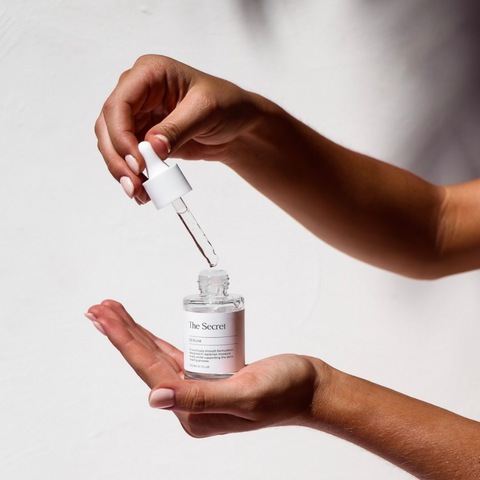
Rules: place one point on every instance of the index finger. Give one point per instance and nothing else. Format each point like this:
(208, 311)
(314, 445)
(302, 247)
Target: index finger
(115, 164)
(151, 366)
(140, 91)
(118, 113)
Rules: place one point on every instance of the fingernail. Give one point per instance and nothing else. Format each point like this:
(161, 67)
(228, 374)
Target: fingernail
(133, 164)
(162, 398)
(143, 196)
(139, 202)
(127, 186)
(165, 140)
(99, 327)
(90, 316)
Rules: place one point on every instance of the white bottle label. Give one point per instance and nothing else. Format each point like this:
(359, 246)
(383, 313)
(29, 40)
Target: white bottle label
(214, 342)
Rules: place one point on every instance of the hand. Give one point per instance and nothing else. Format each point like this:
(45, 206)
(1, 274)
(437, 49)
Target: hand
(153, 360)
(275, 391)
(424, 440)
(181, 111)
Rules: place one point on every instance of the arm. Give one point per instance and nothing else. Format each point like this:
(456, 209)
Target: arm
(373, 211)
(426, 441)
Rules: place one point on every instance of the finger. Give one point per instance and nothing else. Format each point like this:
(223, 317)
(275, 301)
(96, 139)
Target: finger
(166, 347)
(139, 92)
(195, 115)
(151, 368)
(119, 310)
(201, 397)
(169, 349)
(116, 311)
(103, 310)
(119, 118)
(117, 165)
(208, 425)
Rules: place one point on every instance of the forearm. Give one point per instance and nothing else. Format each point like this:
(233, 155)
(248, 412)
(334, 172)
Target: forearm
(373, 211)
(426, 441)
(368, 209)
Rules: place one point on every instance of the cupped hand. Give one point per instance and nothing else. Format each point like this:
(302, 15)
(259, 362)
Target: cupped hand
(181, 111)
(279, 390)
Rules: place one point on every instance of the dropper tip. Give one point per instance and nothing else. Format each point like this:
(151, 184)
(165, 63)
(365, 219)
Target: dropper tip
(213, 262)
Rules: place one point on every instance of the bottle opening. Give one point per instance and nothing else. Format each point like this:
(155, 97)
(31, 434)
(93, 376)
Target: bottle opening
(213, 274)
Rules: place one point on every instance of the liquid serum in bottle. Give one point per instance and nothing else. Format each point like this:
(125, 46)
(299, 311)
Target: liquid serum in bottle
(214, 329)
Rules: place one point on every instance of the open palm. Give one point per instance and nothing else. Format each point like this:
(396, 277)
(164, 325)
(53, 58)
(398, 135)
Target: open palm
(274, 391)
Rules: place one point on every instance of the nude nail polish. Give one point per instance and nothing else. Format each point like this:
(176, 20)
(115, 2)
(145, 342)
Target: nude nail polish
(162, 398)
(127, 185)
(165, 141)
(96, 324)
(132, 163)
(99, 327)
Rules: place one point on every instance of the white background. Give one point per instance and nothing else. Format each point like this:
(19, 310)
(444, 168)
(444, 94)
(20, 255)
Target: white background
(395, 80)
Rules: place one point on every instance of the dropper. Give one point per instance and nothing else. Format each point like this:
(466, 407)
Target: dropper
(167, 185)
(194, 229)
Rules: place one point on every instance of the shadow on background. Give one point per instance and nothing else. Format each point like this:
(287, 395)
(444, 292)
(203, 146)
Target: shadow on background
(256, 18)
(442, 41)
(254, 11)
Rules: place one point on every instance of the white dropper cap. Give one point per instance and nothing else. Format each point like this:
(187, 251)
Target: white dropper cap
(165, 184)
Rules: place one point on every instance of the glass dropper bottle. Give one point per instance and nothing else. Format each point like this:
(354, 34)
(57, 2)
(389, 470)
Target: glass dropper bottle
(214, 329)
(168, 185)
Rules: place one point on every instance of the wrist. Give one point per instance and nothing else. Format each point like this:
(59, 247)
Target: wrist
(342, 403)
(261, 135)
(322, 391)
(339, 401)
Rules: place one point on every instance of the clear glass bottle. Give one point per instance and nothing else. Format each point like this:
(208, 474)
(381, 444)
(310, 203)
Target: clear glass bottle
(214, 329)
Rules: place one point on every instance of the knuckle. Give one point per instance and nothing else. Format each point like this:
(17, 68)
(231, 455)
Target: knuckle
(146, 372)
(109, 105)
(116, 139)
(111, 303)
(209, 102)
(206, 100)
(147, 58)
(124, 75)
(172, 132)
(150, 67)
(195, 400)
(97, 127)
(153, 59)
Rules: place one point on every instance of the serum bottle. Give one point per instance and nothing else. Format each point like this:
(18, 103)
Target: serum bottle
(214, 329)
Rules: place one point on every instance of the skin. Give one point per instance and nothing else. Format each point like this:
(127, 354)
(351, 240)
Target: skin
(373, 211)
(424, 440)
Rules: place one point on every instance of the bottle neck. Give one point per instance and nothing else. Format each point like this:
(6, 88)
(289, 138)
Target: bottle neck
(208, 289)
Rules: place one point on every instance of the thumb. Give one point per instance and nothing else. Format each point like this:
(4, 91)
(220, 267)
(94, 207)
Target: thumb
(194, 396)
(191, 117)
